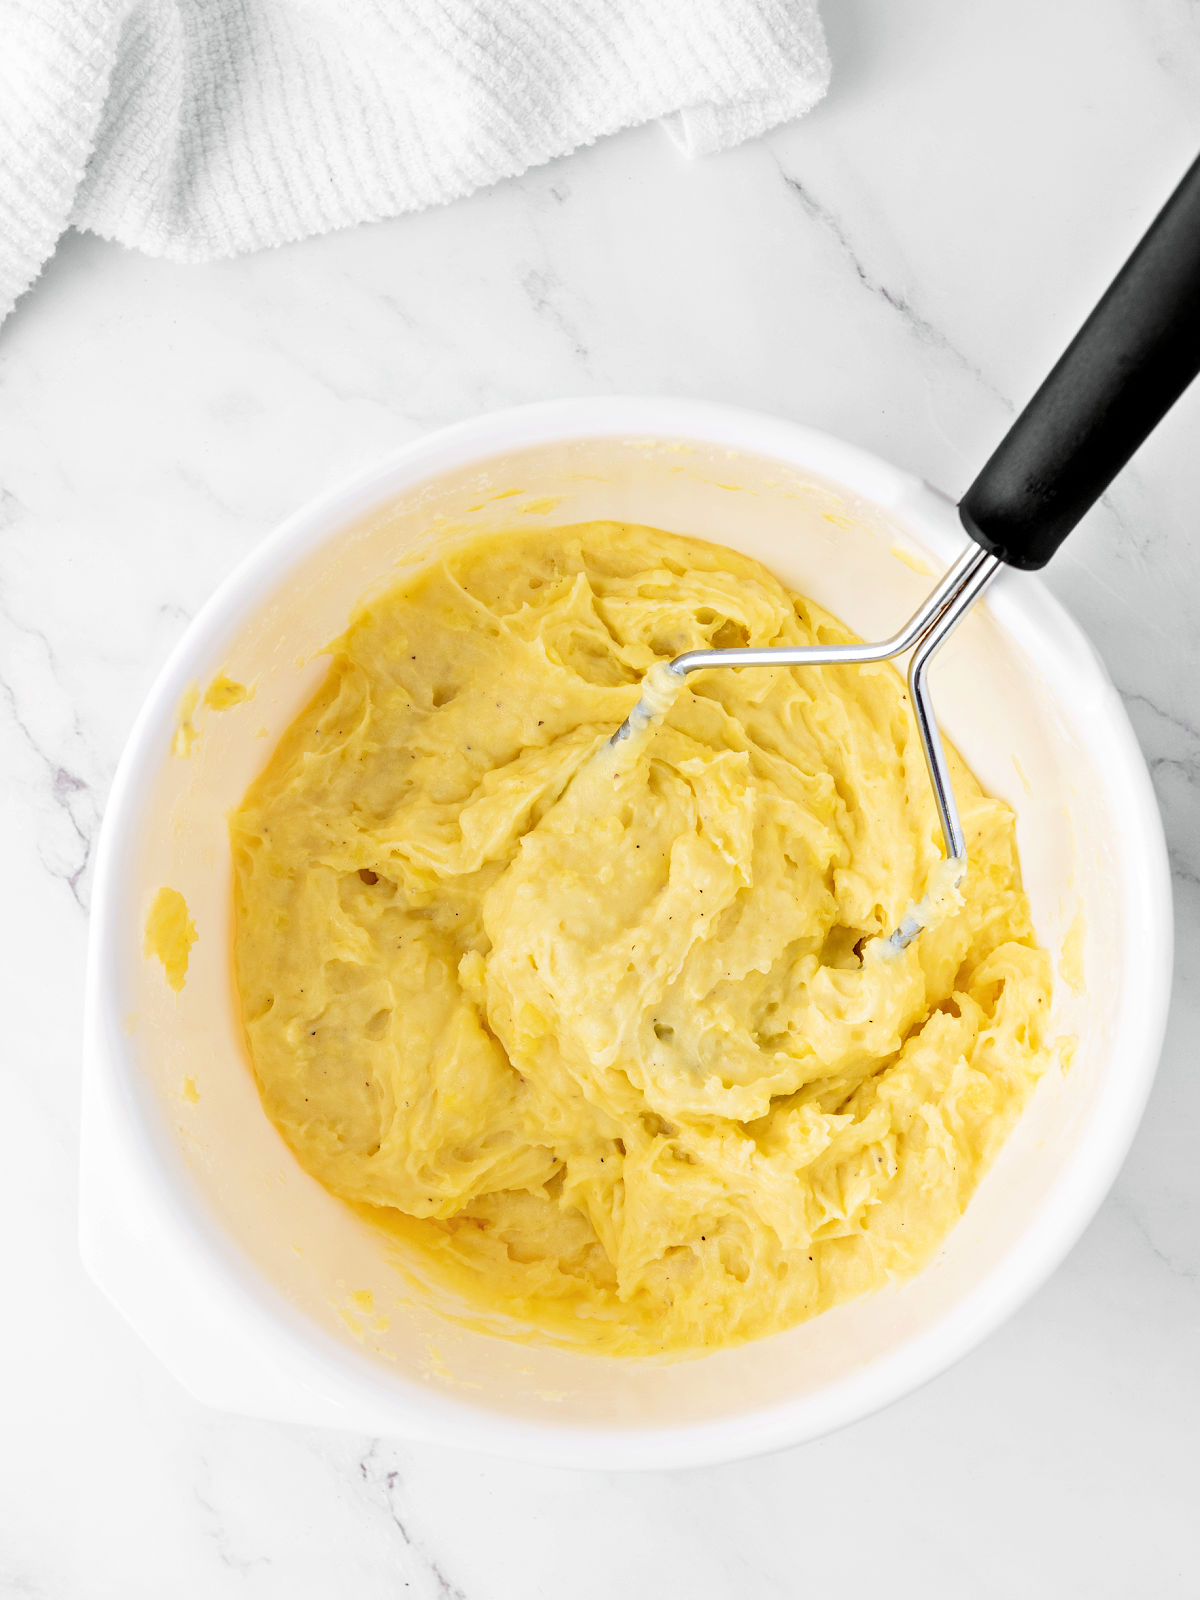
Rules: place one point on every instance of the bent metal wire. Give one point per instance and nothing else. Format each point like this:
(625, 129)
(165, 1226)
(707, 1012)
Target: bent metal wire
(923, 634)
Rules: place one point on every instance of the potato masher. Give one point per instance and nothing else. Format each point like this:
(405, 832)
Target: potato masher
(1126, 367)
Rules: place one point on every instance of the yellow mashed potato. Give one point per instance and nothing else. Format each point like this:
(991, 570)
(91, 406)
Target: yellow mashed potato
(614, 1052)
(170, 935)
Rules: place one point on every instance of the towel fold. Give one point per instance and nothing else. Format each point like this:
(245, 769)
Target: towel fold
(195, 129)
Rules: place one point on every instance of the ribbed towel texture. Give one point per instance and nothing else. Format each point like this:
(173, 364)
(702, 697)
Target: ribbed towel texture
(202, 128)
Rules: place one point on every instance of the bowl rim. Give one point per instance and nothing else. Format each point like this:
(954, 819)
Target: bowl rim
(347, 1380)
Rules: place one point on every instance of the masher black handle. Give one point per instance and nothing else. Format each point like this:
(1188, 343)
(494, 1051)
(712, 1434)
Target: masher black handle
(1124, 370)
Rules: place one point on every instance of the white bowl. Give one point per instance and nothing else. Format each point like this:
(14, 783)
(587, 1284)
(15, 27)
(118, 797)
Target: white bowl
(239, 1271)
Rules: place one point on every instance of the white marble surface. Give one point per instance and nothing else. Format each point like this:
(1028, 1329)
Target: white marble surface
(899, 268)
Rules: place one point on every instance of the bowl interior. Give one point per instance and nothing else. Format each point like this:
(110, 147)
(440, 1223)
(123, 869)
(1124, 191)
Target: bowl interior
(1032, 731)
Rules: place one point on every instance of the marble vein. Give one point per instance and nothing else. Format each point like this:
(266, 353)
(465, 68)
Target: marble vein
(919, 325)
(544, 292)
(1172, 747)
(219, 1536)
(1176, 1265)
(31, 680)
(385, 1485)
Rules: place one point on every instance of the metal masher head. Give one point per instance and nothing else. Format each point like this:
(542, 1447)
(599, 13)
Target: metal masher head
(923, 635)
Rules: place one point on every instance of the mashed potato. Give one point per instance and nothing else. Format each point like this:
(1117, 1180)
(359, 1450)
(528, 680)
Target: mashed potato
(612, 1047)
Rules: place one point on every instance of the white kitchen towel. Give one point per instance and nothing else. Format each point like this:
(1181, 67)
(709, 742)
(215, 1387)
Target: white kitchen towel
(202, 128)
